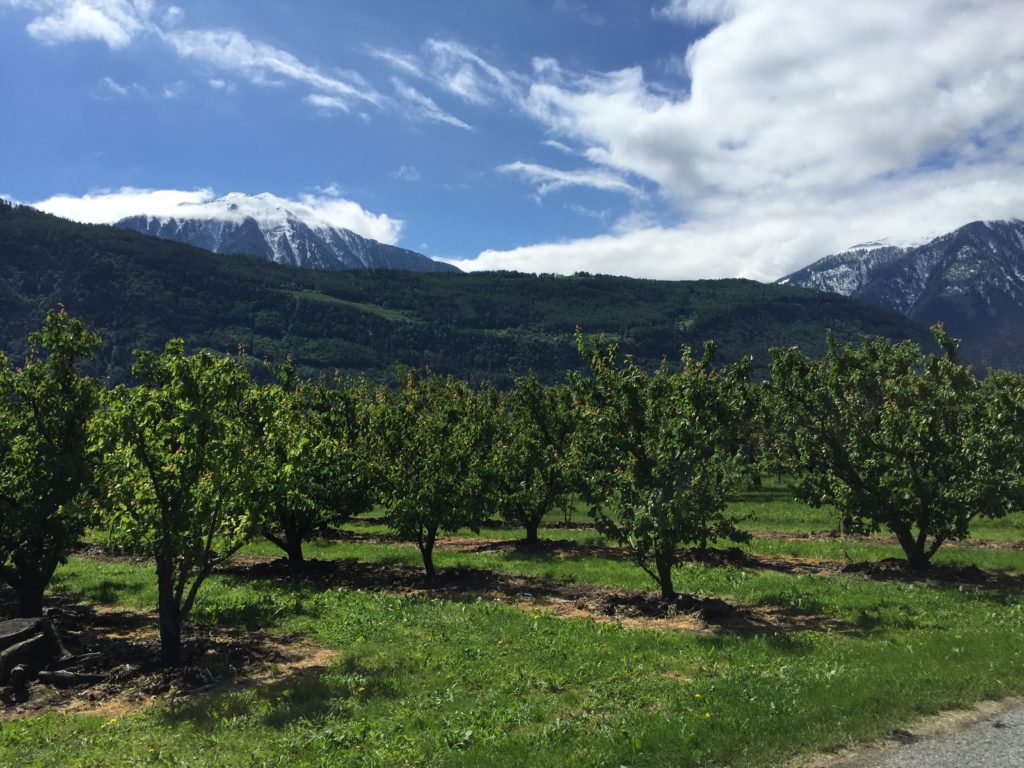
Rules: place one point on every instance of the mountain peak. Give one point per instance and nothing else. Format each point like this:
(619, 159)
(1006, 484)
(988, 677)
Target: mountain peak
(972, 279)
(278, 230)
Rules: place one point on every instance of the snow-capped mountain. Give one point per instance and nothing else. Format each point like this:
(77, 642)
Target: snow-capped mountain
(274, 229)
(972, 279)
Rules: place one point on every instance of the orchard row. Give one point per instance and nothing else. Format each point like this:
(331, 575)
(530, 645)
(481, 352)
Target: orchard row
(197, 458)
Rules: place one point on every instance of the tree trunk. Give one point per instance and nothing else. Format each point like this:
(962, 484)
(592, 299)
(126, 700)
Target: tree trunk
(531, 531)
(294, 541)
(170, 615)
(663, 562)
(30, 599)
(917, 558)
(426, 545)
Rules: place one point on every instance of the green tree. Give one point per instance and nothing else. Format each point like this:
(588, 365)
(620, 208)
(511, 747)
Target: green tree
(181, 470)
(434, 435)
(45, 467)
(895, 439)
(663, 450)
(534, 471)
(314, 463)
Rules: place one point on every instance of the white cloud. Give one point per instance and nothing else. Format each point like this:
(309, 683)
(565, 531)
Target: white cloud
(114, 22)
(327, 103)
(764, 240)
(350, 215)
(452, 67)
(221, 85)
(808, 126)
(547, 180)
(109, 206)
(110, 86)
(695, 10)
(408, 65)
(175, 90)
(231, 50)
(173, 16)
(425, 107)
(462, 72)
(560, 146)
(407, 173)
(331, 190)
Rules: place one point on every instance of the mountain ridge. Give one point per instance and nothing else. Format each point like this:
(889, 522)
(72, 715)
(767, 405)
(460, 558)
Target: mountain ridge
(970, 279)
(138, 292)
(271, 228)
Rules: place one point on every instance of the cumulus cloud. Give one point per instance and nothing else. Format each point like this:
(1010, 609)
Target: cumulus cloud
(114, 22)
(547, 180)
(338, 212)
(109, 206)
(807, 127)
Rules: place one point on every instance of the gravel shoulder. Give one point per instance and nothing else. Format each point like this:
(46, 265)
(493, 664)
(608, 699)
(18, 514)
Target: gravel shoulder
(991, 734)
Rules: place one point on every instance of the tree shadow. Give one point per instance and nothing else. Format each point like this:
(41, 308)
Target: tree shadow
(569, 598)
(309, 693)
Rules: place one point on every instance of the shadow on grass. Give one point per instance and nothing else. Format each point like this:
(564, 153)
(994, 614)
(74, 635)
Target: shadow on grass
(105, 591)
(576, 599)
(308, 694)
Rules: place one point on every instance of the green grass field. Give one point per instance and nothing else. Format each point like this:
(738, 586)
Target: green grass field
(424, 680)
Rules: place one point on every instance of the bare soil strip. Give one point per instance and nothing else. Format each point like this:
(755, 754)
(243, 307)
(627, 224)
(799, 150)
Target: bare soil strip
(631, 608)
(889, 569)
(879, 539)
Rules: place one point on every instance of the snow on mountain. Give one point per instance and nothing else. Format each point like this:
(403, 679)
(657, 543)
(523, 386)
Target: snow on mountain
(972, 279)
(278, 230)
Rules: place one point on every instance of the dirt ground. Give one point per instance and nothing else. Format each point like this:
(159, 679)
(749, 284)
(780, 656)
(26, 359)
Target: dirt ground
(124, 650)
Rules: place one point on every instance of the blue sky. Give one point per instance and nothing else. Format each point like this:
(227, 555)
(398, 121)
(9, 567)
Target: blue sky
(660, 138)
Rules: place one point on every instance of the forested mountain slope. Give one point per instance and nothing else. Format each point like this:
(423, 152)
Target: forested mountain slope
(139, 291)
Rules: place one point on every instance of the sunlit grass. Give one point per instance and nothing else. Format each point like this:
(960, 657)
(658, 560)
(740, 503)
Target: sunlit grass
(429, 681)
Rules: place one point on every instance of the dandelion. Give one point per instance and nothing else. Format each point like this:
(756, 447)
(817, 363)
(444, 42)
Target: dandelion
(707, 715)
(697, 696)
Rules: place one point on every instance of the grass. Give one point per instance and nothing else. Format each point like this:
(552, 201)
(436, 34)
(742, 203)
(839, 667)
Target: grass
(427, 681)
(395, 315)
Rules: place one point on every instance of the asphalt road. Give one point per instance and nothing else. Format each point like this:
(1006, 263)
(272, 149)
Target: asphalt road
(996, 741)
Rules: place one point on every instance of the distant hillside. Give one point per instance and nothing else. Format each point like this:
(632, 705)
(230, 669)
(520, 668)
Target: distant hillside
(139, 291)
(971, 279)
